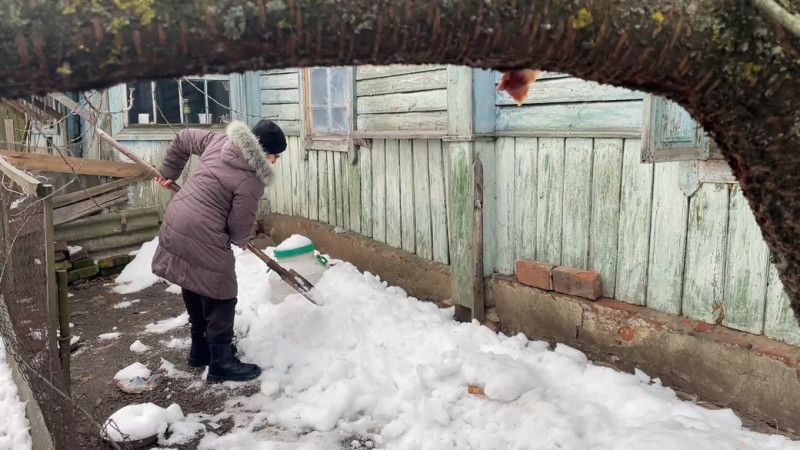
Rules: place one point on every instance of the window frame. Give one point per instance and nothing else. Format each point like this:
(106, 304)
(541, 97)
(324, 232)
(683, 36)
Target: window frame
(325, 140)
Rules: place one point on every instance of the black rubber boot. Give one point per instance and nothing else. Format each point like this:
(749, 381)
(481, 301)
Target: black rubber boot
(199, 354)
(226, 367)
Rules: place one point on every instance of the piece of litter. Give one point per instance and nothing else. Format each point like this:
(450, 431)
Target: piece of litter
(475, 390)
(137, 385)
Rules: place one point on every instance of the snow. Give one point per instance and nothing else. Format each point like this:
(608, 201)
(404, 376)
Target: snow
(73, 250)
(138, 347)
(109, 336)
(376, 364)
(136, 369)
(137, 274)
(141, 421)
(178, 343)
(162, 326)
(14, 428)
(293, 241)
(125, 304)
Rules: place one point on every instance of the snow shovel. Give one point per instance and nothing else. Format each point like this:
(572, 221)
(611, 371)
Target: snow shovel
(290, 277)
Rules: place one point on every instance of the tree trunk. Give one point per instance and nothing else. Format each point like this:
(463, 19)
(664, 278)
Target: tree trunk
(734, 70)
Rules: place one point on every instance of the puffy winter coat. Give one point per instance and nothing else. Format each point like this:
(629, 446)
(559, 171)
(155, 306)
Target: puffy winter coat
(215, 209)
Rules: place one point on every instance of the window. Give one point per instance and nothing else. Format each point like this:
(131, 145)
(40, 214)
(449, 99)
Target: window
(328, 101)
(189, 100)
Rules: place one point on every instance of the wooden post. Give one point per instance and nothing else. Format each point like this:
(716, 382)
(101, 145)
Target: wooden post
(63, 322)
(11, 143)
(49, 248)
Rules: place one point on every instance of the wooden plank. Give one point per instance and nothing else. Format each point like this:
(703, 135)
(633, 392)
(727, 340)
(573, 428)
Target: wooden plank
(746, 263)
(549, 207)
(544, 76)
(597, 117)
(422, 200)
(634, 225)
(779, 321)
(370, 72)
(324, 198)
(394, 235)
(339, 186)
(412, 82)
(302, 179)
(280, 81)
(289, 127)
(402, 122)
(290, 112)
(288, 186)
(83, 194)
(436, 167)
(332, 203)
(366, 167)
(462, 226)
(344, 186)
(298, 177)
(354, 191)
(10, 135)
(505, 222)
(379, 190)
(569, 90)
(280, 96)
(29, 184)
(403, 102)
(313, 185)
(715, 171)
(280, 194)
(87, 207)
(80, 166)
(667, 240)
(485, 152)
(526, 179)
(459, 101)
(603, 233)
(577, 214)
(705, 253)
(407, 203)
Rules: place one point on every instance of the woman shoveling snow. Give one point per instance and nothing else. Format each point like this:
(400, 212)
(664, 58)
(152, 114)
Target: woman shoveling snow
(215, 209)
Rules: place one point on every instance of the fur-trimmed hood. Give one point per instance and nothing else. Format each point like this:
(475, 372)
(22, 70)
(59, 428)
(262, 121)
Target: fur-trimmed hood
(250, 150)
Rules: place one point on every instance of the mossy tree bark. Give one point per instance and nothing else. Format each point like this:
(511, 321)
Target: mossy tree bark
(734, 67)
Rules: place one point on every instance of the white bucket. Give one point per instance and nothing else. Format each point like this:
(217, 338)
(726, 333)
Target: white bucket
(144, 119)
(295, 253)
(204, 118)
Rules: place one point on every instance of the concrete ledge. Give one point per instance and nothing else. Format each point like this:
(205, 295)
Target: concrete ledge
(752, 374)
(421, 278)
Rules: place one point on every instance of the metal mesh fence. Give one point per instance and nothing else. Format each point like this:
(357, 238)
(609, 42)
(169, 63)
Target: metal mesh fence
(24, 310)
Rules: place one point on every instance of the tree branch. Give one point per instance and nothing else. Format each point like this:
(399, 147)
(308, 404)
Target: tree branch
(777, 13)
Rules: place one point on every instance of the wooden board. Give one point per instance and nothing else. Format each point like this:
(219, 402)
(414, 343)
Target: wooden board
(550, 193)
(366, 167)
(412, 121)
(526, 178)
(570, 90)
(313, 185)
(379, 190)
(577, 215)
(280, 81)
(634, 226)
(343, 185)
(300, 177)
(81, 166)
(393, 212)
(667, 240)
(280, 96)
(603, 233)
(83, 194)
(485, 151)
(407, 200)
(779, 321)
(505, 220)
(439, 220)
(324, 198)
(369, 72)
(623, 117)
(705, 253)
(332, 207)
(422, 200)
(82, 209)
(339, 187)
(290, 112)
(746, 264)
(410, 82)
(403, 102)
(461, 226)
(354, 192)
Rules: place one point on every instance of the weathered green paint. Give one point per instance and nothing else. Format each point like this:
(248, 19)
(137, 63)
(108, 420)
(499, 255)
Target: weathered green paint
(439, 222)
(705, 253)
(485, 152)
(577, 202)
(354, 192)
(623, 117)
(779, 321)
(634, 225)
(369, 72)
(550, 199)
(425, 101)
(379, 190)
(393, 212)
(332, 206)
(505, 221)
(343, 184)
(746, 263)
(569, 90)
(313, 185)
(367, 188)
(603, 232)
(667, 240)
(526, 223)
(407, 200)
(405, 82)
(339, 183)
(422, 200)
(413, 121)
(670, 133)
(324, 196)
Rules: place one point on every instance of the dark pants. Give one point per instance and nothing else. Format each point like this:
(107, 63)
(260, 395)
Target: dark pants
(210, 315)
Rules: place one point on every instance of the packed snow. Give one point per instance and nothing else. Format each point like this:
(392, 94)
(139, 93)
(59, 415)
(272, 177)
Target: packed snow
(382, 368)
(109, 336)
(14, 428)
(141, 421)
(137, 274)
(126, 304)
(139, 347)
(162, 326)
(136, 369)
(294, 241)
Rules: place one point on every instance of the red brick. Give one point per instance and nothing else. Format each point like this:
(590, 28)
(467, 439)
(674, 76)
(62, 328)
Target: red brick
(626, 333)
(535, 273)
(618, 305)
(702, 326)
(581, 283)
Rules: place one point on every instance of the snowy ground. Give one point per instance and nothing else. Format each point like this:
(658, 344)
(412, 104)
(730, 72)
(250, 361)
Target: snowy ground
(375, 367)
(14, 427)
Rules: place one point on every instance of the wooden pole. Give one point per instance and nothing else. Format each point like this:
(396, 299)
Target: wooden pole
(63, 321)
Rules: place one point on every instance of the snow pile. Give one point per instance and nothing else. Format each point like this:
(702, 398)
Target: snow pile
(14, 428)
(138, 347)
(109, 336)
(294, 241)
(141, 421)
(125, 304)
(137, 275)
(376, 364)
(136, 369)
(162, 326)
(73, 250)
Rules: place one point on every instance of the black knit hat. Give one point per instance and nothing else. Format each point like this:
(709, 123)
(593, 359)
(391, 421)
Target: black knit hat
(270, 136)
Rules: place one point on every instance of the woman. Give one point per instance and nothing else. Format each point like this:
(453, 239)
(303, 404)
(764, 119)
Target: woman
(215, 209)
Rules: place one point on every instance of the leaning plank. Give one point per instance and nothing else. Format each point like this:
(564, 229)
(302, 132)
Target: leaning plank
(90, 206)
(25, 181)
(74, 197)
(80, 166)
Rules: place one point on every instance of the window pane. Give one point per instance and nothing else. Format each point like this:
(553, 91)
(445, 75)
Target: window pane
(320, 122)
(319, 87)
(167, 102)
(221, 92)
(338, 85)
(194, 102)
(339, 121)
(142, 99)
